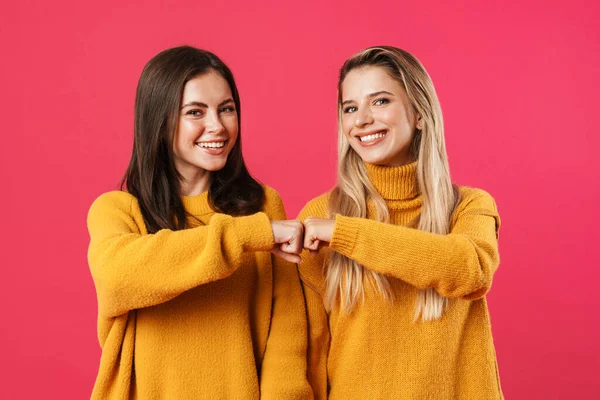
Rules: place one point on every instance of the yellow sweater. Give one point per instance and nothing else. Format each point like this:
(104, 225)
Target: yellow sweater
(201, 313)
(378, 352)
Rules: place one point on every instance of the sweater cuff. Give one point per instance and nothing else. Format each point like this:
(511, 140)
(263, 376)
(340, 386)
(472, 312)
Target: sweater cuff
(254, 232)
(344, 235)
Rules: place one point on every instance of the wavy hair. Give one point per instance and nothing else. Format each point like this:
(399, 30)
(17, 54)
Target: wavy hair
(345, 277)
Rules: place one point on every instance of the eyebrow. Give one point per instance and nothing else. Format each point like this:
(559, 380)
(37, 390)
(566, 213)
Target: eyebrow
(199, 104)
(370, 96)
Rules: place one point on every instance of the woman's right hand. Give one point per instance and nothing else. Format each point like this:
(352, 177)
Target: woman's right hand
(289, 240)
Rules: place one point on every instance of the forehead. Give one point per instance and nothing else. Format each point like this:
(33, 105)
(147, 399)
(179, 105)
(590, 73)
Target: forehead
(206, 88)
(363, 81)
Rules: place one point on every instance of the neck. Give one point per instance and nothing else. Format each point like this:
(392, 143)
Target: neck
(400, 160)
(195, 182)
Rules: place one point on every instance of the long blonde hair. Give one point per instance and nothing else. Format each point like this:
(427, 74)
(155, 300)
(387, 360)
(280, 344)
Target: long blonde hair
(345, 277)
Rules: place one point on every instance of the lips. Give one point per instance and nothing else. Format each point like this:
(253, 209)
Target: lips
(371, 138)
(213, 144)
(213, 147)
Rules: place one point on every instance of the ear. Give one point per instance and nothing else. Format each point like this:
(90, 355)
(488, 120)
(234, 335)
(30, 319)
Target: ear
(419, 124)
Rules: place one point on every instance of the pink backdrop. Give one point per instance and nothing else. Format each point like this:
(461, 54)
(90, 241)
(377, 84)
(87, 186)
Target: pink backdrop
(518, 83)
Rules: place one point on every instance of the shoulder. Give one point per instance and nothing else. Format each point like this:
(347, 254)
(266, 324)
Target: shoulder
(316, 207)
(117, 199)
(116, 204)
(478, 198)
(475, 201)
(273, 205)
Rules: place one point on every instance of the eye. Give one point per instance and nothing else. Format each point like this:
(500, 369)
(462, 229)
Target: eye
(228, 109)
(380, 102)
(194, 113)
(349, 109)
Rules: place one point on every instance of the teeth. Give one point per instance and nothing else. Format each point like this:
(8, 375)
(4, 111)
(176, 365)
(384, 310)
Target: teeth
(370, 138)
(211, 145)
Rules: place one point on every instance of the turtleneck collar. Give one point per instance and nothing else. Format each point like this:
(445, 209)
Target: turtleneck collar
(394, 183)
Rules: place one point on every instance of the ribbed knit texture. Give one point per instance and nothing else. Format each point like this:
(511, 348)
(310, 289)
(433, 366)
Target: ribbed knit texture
(201, 313)
(378, 351)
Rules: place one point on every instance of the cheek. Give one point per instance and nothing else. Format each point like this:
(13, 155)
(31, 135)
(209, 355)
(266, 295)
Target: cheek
(346, 124)
(179, 139)
(406, 118)
(399, 120)
(189, 131)
(232, 128)
(388, 116)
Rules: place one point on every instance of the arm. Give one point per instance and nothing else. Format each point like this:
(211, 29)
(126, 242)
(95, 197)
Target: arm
(132, 270)
(283, 373)
(460, 264)
(318, 337)
(311, 274)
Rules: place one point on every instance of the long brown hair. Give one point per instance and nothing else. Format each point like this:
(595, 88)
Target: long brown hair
(151, 175)
(344, 276)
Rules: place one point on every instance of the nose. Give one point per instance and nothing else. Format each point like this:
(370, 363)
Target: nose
(363, 117)
(213, 122)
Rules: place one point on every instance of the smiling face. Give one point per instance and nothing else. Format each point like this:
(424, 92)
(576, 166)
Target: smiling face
(377, 119)
(207, 127)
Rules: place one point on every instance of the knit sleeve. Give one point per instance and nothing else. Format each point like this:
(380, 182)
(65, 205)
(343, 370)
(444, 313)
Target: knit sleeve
(311, 274)
(283, 373)
(459, 264)
(311, 268)
(133, 270)
(318, 342)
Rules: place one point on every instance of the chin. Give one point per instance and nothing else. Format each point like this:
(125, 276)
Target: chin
(213, 167)
(372, 158)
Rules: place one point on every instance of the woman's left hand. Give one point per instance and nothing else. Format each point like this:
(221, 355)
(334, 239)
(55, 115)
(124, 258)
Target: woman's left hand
(317, 233)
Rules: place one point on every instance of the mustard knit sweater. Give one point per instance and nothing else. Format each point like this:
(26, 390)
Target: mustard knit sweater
(378, 352)
(201, 313)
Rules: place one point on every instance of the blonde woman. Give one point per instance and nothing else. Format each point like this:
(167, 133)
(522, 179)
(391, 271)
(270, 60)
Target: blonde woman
(402, 259)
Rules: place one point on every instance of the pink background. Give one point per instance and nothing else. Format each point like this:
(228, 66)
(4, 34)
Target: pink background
(518, 84)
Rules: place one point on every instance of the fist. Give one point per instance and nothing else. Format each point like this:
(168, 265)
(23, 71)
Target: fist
(288, 238)
(317, 233)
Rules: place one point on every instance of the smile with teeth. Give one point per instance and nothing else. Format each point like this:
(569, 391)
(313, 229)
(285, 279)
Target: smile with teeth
(211, 145)
(372, 137)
